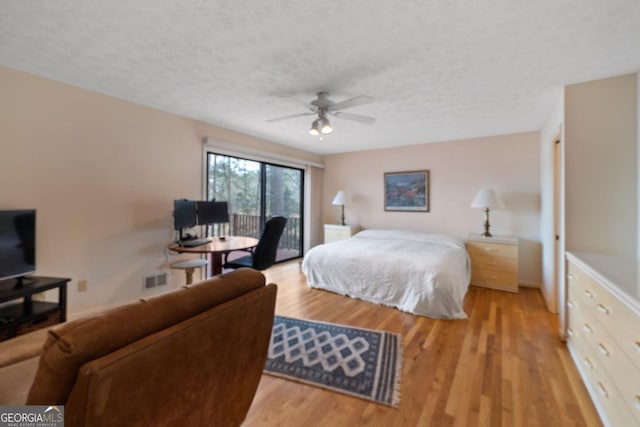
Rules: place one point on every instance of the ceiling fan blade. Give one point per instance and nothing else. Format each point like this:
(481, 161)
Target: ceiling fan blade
(355, 117)
(292, 116)
(305, 104)
(349, 103)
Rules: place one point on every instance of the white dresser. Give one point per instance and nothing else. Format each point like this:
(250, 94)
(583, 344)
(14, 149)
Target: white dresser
(603, 306)
(333, 232)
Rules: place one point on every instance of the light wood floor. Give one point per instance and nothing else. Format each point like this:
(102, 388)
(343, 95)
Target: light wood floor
(504, 366)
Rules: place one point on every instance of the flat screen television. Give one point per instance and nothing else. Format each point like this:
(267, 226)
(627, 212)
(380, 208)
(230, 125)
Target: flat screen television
(212, 212)
(17, 243)
(184, 214)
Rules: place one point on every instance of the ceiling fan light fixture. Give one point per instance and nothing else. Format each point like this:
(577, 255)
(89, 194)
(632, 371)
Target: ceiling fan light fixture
(322, 106)
(326, 127)
(314, 128)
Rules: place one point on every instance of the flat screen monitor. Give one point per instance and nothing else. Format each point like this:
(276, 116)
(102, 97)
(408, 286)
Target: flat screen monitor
(212, 212)
(184, 214)
(17, 243)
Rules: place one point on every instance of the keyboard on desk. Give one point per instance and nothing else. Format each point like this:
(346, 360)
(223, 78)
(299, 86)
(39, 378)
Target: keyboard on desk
(193, 243)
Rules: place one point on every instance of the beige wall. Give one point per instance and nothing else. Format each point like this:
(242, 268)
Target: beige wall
(600, 166)
(458, 169)
(102, 174)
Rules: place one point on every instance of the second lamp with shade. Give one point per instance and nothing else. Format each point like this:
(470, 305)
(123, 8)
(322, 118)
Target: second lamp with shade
(487, 199)
(339, 201)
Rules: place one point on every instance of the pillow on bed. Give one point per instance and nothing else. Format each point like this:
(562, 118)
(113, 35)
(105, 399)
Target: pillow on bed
(415, 236)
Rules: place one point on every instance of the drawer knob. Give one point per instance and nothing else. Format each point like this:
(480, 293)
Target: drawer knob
(602, 309)
(492, 277)
(603, 349)
(571, 276)
(588, 328)
(570, 332)
(637, 346)
(636, 402)
(588, 293)
(571, 304)
(588, 363)
(490, 250)
(603, 391)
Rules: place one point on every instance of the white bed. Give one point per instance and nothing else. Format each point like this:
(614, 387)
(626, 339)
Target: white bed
(421, 273)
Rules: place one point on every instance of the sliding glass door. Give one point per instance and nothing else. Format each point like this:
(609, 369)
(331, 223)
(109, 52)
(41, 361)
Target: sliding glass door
(256, 191)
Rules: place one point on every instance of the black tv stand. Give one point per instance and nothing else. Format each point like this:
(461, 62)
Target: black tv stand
(22, 280)
(23, 314)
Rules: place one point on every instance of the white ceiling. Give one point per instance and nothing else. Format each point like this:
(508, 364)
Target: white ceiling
(437, 70)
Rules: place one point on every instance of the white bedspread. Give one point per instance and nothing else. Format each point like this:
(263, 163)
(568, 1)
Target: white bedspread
(421, 273)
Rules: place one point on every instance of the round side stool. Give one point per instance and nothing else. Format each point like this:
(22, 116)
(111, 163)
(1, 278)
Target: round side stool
(189, 266)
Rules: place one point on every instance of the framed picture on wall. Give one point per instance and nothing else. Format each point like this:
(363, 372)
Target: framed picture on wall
(406, 191)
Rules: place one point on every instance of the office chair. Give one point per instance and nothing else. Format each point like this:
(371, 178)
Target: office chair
(264, 254)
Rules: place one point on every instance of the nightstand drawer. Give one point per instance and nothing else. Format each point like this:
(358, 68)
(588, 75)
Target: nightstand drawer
(484, 262)
(497, 278)
(338, 234)
(334, 233)
(492, 249)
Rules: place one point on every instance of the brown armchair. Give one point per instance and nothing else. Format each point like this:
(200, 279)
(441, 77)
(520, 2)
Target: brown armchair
(191, 357)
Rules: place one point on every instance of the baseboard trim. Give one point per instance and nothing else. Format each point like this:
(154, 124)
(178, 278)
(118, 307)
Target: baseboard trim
(529, 285)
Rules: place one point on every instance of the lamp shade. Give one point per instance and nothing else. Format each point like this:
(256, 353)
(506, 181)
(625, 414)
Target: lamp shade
(326, 126)
(339, 199)
(487, 198)
(315, 128)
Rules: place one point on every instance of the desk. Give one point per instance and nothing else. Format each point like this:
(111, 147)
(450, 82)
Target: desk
(215, 248)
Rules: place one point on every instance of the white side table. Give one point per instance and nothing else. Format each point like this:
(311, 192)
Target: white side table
(333, 232)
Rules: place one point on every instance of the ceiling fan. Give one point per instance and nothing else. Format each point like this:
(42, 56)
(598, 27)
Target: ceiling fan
(323, 106)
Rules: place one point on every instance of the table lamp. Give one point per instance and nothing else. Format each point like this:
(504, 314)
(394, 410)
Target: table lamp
(339, 201)
(486, 199)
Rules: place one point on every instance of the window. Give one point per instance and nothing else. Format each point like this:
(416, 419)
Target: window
(256, 191)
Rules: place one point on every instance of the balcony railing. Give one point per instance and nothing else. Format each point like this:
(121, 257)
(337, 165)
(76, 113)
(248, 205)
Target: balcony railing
(249, 225)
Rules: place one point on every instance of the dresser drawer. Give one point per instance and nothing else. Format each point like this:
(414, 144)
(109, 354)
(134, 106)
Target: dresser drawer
(620, 322)
(602, 387)
(594, 330)
(485, 262)
(616, 410)
(576, 336)
(610, 357)
(492, 249)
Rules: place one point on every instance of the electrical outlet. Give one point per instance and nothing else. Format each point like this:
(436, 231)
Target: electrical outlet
(82, 285)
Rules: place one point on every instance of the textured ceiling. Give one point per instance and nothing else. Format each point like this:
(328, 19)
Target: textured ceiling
(437, 70)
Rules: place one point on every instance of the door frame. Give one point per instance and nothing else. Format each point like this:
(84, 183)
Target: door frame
(559, 263)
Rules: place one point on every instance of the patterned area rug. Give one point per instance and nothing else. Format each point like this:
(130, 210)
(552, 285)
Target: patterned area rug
(359, 362)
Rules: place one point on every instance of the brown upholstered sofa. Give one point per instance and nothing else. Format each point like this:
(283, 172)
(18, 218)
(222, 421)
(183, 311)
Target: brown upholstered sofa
(192, 357)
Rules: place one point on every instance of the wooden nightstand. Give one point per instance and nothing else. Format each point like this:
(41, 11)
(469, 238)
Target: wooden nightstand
(494, 262)
(338, 232)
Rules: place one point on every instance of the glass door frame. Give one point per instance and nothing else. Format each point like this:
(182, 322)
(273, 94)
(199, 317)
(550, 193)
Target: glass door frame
(210, 152)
